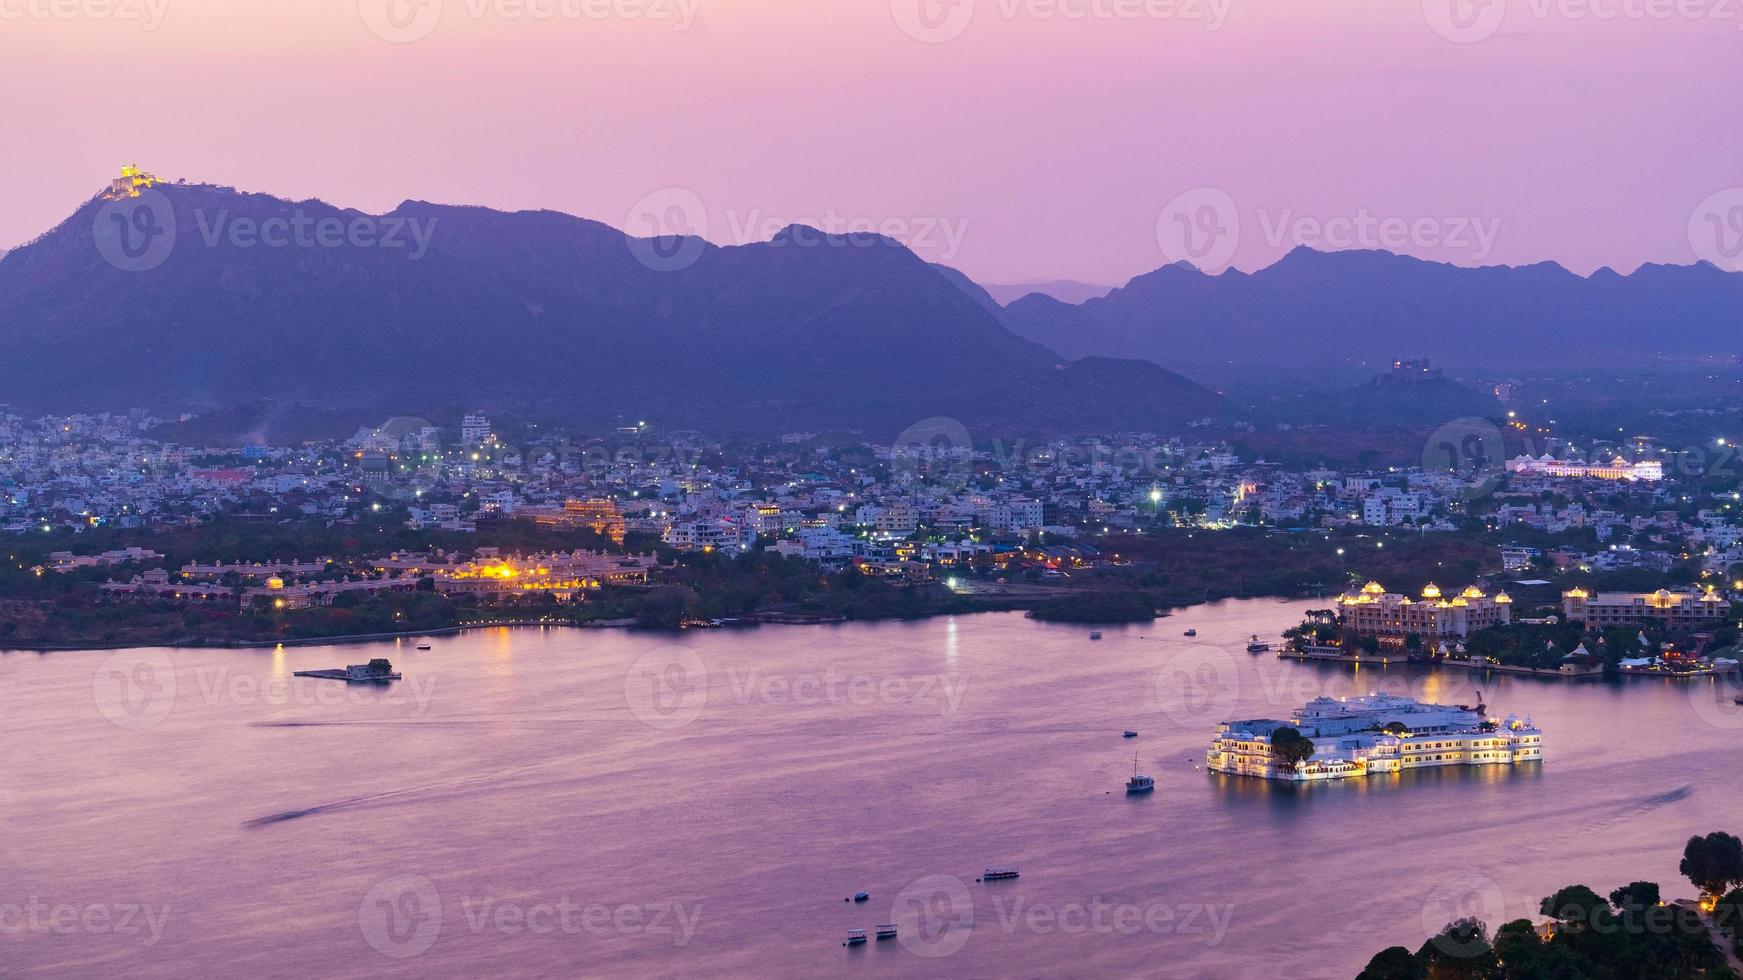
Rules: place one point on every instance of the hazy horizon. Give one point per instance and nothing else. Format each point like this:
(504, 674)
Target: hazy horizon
(1552, 134)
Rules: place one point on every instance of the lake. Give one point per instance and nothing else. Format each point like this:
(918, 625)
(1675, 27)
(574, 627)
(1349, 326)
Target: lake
(619, 803)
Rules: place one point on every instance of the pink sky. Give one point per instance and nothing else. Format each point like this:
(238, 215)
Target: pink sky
(1026, 146)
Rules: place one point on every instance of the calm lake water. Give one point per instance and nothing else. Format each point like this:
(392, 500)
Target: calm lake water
(612, 803)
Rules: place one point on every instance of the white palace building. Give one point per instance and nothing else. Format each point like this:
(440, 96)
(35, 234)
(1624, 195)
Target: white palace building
(1374, 734)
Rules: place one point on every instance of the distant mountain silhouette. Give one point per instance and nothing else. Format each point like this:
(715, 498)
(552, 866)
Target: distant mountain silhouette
(1316, 307)
(1063, 290)
(536, 310)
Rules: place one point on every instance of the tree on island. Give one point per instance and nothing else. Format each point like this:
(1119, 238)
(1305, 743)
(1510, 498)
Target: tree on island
(1394, 963)
(1714, 862)
(1290, 747)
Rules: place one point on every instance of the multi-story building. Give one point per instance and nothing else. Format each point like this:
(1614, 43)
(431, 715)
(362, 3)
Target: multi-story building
(1650, 470)
(474, 430)
(1373, 611)
(1685, 609)
(1374, 734)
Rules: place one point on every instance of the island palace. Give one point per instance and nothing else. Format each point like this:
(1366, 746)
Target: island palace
(1373, 734)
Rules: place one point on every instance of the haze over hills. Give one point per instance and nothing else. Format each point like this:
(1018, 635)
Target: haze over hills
(537, 311)
(1063, 290)
(1315, 307)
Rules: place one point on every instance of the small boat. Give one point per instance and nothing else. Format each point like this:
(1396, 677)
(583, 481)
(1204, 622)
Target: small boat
(1129, 734)
(1738, 699)
(1096, 635)
(1139, 784)
(855, 937)
(858, 897)
(887, 931)
(423, 646)
(1258, 646)
(1192, 632)
(999, 874)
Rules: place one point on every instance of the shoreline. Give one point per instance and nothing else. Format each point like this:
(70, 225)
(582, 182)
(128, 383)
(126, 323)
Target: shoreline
(759, 618)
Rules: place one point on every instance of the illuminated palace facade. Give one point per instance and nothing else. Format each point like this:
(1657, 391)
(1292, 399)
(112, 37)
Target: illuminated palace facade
(1373, 611)
(1374, 735)
(1650, 470)
(1685, 610)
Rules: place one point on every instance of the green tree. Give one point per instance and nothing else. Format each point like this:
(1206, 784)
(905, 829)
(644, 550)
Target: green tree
(1290, 747)
(1393, 963)
(1714, 862)
(1461, 951)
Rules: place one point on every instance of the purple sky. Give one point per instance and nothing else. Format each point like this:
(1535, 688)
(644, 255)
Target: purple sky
(1018, 143)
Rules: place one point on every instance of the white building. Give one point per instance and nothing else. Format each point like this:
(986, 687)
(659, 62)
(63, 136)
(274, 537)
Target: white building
(1375, 734)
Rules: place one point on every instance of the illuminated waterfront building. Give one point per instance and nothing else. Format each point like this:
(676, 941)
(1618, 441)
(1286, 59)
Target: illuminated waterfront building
(1375, 734)
(1373, 611)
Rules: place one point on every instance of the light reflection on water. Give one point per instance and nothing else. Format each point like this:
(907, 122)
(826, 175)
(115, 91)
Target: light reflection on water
(523, 769)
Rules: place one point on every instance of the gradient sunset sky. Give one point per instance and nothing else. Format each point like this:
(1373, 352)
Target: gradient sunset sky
(1013, 141)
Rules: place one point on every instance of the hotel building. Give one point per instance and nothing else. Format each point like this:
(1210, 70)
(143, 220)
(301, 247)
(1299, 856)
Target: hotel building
(1372, 735)
(1688, 610)
(1650, 470)
(1373, 611)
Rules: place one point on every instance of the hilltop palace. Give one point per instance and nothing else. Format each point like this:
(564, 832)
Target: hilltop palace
(1377, 733)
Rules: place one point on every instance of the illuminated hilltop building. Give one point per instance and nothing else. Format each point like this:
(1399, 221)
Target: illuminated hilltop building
(132, 182)
(1373, 611)
(1650, 470)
